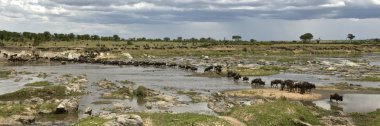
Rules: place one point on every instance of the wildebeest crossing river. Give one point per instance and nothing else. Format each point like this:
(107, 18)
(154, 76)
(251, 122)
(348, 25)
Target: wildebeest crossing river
(166, 80)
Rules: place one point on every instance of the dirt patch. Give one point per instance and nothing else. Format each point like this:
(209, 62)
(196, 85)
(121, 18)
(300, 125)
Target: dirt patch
(274, 93)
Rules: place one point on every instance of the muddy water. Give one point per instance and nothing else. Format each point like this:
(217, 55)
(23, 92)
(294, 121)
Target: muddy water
(155, 78)
(353, 103)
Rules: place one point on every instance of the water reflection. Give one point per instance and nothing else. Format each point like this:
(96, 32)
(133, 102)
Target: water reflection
(353, 103)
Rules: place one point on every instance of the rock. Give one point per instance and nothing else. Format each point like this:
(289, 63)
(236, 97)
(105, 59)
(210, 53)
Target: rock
(219, 107)
(67, 105)
(245, 103)
(24, 119)
(34, 100)
(298, 122)
(9, 122)
(130, 120)
(88, 111)
(334, 121)
(129, 56)
(164, 104)
(108, 116)
(111, 123)
(331, 68)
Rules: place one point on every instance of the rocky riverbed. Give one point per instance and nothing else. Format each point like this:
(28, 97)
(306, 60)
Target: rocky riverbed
(124, 94)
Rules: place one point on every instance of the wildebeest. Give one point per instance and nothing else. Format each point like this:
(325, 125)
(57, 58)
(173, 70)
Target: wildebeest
(258, 81)
(237, 77)
(289, 84)
(246, 79)
(207, 69)
(275, 83)
(336, 97)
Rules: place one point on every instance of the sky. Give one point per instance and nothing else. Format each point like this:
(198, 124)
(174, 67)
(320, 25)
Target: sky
(258, 19)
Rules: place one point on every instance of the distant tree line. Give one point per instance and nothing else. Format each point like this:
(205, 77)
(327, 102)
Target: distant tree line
(47, 36)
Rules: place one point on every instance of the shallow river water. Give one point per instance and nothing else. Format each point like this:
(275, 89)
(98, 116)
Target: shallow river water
(161, 78)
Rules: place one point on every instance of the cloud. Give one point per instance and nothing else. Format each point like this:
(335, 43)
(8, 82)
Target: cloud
(195, 17)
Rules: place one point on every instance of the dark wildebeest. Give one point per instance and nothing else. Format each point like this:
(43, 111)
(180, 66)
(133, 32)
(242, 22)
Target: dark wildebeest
(236, 77)
(258, 81)
(246, 79)
(289, 84)
(207, 69)
(336, 97)
(218, 69)
(276, 82)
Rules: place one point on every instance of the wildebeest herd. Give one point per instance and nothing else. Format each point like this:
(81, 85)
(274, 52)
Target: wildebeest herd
(289, 85)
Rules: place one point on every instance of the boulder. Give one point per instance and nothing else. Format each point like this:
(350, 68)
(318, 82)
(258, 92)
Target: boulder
(298, 122)
(130, 120)
(67, 105)
(24, 119)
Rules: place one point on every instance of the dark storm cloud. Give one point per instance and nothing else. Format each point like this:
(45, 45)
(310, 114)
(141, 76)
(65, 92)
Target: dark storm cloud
(163, 11)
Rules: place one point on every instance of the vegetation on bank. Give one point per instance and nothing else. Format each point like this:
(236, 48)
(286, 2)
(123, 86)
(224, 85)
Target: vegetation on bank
(277, 113)
(369, 78)
(8, 110)
(120, 93)
(369, 119)
(183, 119)
(47, 92)
(91, 121)
(39, 84)
(4, 73)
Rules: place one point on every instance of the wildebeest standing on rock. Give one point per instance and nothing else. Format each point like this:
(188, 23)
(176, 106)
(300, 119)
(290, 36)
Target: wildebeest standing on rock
(336, 97)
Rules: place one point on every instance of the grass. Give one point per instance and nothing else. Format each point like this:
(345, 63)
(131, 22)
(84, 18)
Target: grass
(190, 93)
(47, 92)
(183, 119)
(127, 82)
(38, 84)
(119, 93)
(47, 106)
(91, 121)
(369, 78)
(369, 119)
(262, 71)
(8, 110)
(277, 113)
(101, 102)
(4, 73)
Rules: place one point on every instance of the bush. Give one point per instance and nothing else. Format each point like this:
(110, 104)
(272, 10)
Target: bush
(141, 91)
(2, 44)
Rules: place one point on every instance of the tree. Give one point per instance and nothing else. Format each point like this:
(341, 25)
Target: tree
(253, 40)
(307, 37)
(350, 36)
(167, 39)
(116, 37)
(236, 37)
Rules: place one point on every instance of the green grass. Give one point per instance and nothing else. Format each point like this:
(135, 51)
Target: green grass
(91, 121)
(183, 119)
(369, 119)
(101, 102)
(4, 73)
(47, 92)
(47, 106)
(8, 110)
(191, 93)
(277, 113)
(38, 84)
(127, 82)
(369, 78)
(119, 93)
